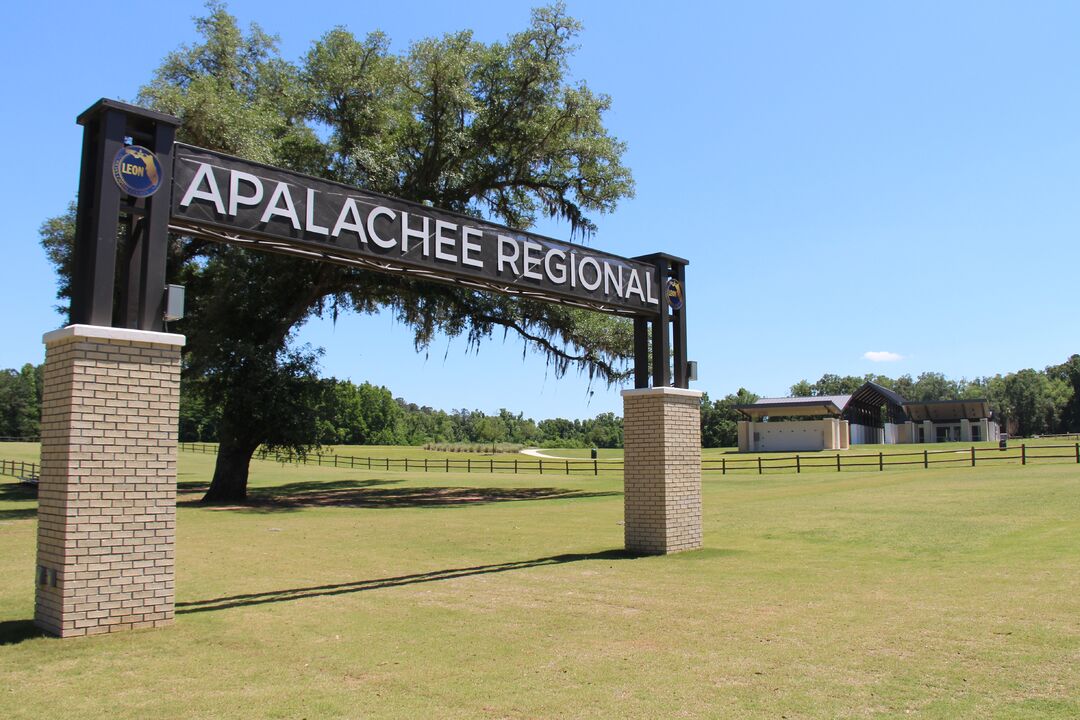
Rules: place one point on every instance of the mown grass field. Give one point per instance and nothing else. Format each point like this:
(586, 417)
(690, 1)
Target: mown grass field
(938, 593)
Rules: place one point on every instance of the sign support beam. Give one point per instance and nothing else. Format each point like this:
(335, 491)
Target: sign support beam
(110, 221)
(670, 366)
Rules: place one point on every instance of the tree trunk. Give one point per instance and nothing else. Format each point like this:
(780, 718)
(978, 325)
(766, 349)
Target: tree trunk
(230, 473)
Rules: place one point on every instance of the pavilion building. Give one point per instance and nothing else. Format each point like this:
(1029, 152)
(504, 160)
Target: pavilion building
(872, 415)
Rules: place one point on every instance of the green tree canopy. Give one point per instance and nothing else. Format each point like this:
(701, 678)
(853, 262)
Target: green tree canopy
(488, 129)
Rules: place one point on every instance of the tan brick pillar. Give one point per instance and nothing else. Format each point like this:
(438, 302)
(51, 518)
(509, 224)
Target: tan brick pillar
(662, 470)
(107, 493)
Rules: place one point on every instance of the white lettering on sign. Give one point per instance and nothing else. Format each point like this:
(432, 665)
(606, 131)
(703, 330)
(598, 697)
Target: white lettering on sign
(274, 209)
(236, 198)
(518, 258)
(407, 231)
(205, 174)
(470, 248)
(509, 251)
(310, 217)
(349, 219)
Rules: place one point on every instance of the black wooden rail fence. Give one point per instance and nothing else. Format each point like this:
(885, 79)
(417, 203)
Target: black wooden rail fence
(26, 472)
(1021, 455)
(491, 465)
(1018, 454)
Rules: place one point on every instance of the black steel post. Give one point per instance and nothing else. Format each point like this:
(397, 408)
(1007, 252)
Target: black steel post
(661, 344)
(641, 352)
(668, 327)
(106, 213)
(131, 238)
(156, 240)
(94, 262)
(678, 329)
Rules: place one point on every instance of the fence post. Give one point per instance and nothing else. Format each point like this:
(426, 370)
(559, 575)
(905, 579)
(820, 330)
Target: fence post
(1078, 453)
(369, 463)
(881, 461)
(387, 463)
(723, 466)
(837, 462)
(1023, 454)
(406, 464)
(759, 465)
(469, 466)
(492, 468)
(515, 466)
(972, 456)
(425, 464)
(447, 464)
(567, 467)
(925, 459)
(541, 464)
(595, 468)
(798, 464)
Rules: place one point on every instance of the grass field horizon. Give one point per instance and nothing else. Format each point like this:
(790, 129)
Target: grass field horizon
(936, 593)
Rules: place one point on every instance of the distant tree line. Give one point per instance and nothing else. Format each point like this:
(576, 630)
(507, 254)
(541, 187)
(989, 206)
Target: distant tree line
(346, 413)
(20, 402)
(340, 412)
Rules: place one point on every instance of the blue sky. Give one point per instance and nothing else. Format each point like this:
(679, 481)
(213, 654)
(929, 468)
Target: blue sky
(845, 178)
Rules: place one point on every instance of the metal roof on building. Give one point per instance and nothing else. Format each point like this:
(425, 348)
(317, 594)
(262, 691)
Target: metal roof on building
(858, 407)
(946, 410)
(824, 405)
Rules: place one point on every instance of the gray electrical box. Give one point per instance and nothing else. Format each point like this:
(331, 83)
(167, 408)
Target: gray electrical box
(174, 303)
(692, 370)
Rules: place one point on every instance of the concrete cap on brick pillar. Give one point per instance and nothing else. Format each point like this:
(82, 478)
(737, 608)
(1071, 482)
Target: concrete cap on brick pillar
(638, 392)
(97, 332)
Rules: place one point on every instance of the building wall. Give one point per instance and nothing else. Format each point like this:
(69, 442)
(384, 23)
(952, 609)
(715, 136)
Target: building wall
(791, 435)
(834, 434)
(981, 430)
(866, 435)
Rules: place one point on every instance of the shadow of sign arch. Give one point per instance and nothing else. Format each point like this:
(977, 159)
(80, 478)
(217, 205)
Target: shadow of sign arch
(111, 395)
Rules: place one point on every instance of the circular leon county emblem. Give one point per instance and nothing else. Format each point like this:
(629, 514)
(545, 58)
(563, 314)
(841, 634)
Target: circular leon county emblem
(137, 171)
(674, 294)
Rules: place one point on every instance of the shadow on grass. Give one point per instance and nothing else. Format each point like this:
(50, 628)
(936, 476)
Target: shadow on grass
(374, 494)
(13, 632)
(278, 596)
(17, 492)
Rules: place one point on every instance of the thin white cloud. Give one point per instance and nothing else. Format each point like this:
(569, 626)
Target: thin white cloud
(882, 356)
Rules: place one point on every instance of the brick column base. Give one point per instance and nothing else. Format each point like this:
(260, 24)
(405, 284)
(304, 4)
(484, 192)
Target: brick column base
(107, 492)
(662, 470)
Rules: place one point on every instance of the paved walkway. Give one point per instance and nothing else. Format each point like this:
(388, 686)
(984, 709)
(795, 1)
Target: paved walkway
(537, 452)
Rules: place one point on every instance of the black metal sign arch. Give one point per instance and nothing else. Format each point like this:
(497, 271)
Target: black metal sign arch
(138, 184)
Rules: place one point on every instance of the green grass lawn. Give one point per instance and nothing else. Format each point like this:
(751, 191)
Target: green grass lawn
(939, 593)
(26, 452)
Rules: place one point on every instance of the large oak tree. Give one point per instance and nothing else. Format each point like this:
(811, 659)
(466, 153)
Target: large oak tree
(495, 130)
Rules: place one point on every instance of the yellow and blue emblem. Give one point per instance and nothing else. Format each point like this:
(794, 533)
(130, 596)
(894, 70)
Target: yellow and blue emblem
(674, 294)
(137, 171)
